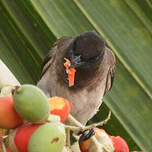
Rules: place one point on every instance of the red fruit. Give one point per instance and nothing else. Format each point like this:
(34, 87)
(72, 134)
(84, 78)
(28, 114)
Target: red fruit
(23, 135)
(60, 106)
(87, 145)
(48, 137)
(19, 139)
(9, 118)
(120, 144)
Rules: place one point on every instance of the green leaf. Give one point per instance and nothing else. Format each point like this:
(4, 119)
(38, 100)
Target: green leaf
(22, 34)
(131, 105)
(59, 19)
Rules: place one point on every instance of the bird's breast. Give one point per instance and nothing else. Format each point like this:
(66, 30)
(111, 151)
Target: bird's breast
(85, 103)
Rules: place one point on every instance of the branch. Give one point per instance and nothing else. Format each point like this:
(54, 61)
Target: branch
(79, 127)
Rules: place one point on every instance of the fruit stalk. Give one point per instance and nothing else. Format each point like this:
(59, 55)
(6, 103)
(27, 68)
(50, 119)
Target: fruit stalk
(3, 145)
(79, 127)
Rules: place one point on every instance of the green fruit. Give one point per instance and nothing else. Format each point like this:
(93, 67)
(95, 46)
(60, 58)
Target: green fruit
(31, 103)
(49, 137)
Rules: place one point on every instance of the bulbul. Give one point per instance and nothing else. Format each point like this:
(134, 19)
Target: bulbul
(94, 63)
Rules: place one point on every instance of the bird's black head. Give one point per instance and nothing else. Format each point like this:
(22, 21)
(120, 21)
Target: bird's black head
(87, 49)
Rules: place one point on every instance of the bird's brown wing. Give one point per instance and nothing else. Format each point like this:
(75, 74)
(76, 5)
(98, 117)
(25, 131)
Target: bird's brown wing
(110, 79)
(49, 59)
(47, 62)
(111, 74)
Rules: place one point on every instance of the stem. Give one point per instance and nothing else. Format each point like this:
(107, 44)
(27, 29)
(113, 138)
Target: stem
(75, 122)
(68, 143)
(99, 123)
(3, 145)
(79, 127)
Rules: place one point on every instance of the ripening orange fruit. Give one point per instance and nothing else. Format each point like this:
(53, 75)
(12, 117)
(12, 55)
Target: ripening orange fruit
(9, 118)
(60, 106)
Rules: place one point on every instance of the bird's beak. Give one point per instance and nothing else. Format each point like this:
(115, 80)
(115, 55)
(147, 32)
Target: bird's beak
(76, 62)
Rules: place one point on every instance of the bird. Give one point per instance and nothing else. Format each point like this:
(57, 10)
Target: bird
(95, 65)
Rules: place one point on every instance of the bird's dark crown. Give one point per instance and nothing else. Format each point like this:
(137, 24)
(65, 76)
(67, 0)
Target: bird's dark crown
(86, 49)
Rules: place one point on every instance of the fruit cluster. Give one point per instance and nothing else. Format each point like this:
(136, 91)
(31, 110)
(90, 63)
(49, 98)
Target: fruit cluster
(35, 124)
(28, 114)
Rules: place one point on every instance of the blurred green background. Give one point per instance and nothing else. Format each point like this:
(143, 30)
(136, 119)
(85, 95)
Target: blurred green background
(28, 28)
